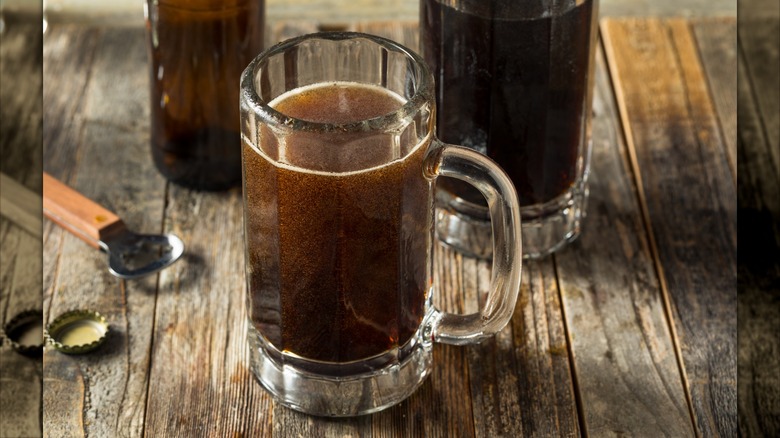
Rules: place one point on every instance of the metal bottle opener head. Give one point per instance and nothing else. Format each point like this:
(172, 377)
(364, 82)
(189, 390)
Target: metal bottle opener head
(130, 255)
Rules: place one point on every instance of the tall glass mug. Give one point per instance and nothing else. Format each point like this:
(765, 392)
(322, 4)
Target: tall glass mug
(339, 160)
(514, 82)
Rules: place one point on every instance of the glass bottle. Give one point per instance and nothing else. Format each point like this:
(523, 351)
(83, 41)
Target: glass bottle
(197, 51)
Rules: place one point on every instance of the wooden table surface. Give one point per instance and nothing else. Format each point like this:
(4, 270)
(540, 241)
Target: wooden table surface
(631, 330)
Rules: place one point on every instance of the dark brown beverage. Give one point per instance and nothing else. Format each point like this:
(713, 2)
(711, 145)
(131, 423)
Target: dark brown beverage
(198, 50)
(512, 83)
(338, 260)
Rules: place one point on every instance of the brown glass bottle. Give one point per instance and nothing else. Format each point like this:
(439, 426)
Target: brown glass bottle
(198, 49)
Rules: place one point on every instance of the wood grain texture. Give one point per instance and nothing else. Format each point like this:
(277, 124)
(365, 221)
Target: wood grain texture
(759, 41)
(20, 251)
(758, 9)
(716, 39)
(20, 205)
(20, 376)
(200, 355)
(759, 231)
(107, 111)
(689, 202)
(20, 94)
(69, 52)
(545, 377)
(627, 373)
(68, 55)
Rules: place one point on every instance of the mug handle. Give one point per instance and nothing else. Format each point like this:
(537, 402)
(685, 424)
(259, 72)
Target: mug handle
(481, 172)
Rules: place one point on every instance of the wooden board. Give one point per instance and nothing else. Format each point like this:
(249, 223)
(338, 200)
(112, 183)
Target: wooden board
(20, 245)
(759, 226)
(623, 353)
(108, 112)
(758, 41)
(684, 183)
(716, 39)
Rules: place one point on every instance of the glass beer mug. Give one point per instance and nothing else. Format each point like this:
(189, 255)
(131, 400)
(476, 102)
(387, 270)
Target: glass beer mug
(339, 162)
(514, 82)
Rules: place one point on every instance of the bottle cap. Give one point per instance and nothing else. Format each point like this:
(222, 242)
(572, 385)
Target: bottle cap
(25, 332)
(77, 331)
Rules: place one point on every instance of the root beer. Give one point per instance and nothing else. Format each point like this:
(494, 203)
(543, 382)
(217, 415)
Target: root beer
(511, 83)
(338, 260)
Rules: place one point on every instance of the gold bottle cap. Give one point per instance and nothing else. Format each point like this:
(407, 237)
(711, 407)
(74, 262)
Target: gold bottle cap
(25, 332)
(77, 331)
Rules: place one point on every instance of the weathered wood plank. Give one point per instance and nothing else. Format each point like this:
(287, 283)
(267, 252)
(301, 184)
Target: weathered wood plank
(759, 40)
(552, 378)
(491, 364)
(716, 39)
(20, 251)
(68, 53)
(750, 9)
(20, 205)
(759, 233)
(20, 402)
(20, 376)
(107, 388)
(520, 380)
(63, 393)
(689, 201)
(458, 287)
(203, 302)
(627, 373)
(63, 397)
(200, 353)
(67, 69)
(20, 94)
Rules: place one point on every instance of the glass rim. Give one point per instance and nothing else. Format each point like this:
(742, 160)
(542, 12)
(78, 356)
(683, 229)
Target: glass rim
(401, 117)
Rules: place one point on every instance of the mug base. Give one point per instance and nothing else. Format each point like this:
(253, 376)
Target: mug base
(341, 395)
(546, 227)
